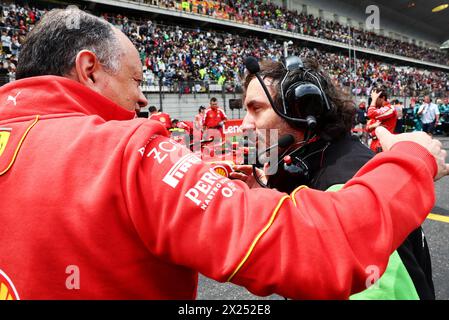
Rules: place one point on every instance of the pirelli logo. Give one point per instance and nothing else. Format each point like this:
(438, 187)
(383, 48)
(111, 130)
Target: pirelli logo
(180, 168)
(4, 137)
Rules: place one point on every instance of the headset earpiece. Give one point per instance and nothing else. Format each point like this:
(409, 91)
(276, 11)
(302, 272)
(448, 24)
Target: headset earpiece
(304, 100)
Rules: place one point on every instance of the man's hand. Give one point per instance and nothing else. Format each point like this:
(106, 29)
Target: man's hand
(373, 125)
(245, 173)
(374, 96)
(387, 140)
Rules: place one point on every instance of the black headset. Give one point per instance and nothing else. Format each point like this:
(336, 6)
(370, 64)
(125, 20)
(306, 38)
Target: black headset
(303, 98)
(304, 103)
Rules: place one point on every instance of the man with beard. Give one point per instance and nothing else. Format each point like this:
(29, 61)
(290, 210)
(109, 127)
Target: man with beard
(324, 156)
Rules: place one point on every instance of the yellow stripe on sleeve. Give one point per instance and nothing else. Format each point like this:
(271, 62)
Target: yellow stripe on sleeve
(19, 146)
(294, 193)
(261, 233)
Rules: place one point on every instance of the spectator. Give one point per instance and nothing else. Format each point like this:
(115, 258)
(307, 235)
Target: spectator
(269, 15)
(429, 115)
(6, 42)
(181, 56)
(4, 79)
(360, 123)
(399, 107)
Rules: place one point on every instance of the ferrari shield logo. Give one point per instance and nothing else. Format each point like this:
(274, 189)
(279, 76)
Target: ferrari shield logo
(4, 137)
(7, 289)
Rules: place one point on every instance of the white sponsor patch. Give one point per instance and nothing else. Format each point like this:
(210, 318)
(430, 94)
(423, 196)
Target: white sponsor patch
(209, 185)
(161, 152)
(180, 168)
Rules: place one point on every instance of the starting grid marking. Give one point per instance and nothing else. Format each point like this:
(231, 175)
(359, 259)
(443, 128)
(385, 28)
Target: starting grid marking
(438, 217)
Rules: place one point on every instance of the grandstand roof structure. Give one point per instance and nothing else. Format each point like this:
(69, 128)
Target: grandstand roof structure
(415, 14)
(389, 14)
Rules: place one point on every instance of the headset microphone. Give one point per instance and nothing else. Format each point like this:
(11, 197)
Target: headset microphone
(286, 141)
(253, 67)
(283, 142)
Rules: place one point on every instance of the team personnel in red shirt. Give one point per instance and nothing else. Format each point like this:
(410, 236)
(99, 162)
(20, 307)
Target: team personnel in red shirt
(214, 117)
(97, 204)
(162, 117)
(380, 113)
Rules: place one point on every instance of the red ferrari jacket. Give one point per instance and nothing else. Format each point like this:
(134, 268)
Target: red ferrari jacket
(212, 117)
(386, 114)
(97, 205)
(163, 118)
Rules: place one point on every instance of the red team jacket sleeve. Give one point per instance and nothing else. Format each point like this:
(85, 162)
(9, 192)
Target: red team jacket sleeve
(307, 245)
(382, 113)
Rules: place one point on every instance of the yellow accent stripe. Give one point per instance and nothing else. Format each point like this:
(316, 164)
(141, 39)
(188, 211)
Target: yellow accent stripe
(19, 146)
(438, 217)
(3, 291)
(251, 248)
(294, 193)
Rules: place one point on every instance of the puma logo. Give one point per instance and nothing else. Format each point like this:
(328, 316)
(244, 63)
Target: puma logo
(13, 99)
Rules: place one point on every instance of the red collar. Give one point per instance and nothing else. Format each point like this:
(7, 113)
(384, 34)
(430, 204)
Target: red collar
(52, 95)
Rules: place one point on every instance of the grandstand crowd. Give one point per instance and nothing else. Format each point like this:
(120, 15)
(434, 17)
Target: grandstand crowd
(270, 16)
(190, 59)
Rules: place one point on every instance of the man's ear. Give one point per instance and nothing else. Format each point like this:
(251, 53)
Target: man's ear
(87, 68)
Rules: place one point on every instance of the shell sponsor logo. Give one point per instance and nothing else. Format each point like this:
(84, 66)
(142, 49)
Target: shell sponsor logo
(221, 171)
(7, 289)
(223, 168)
